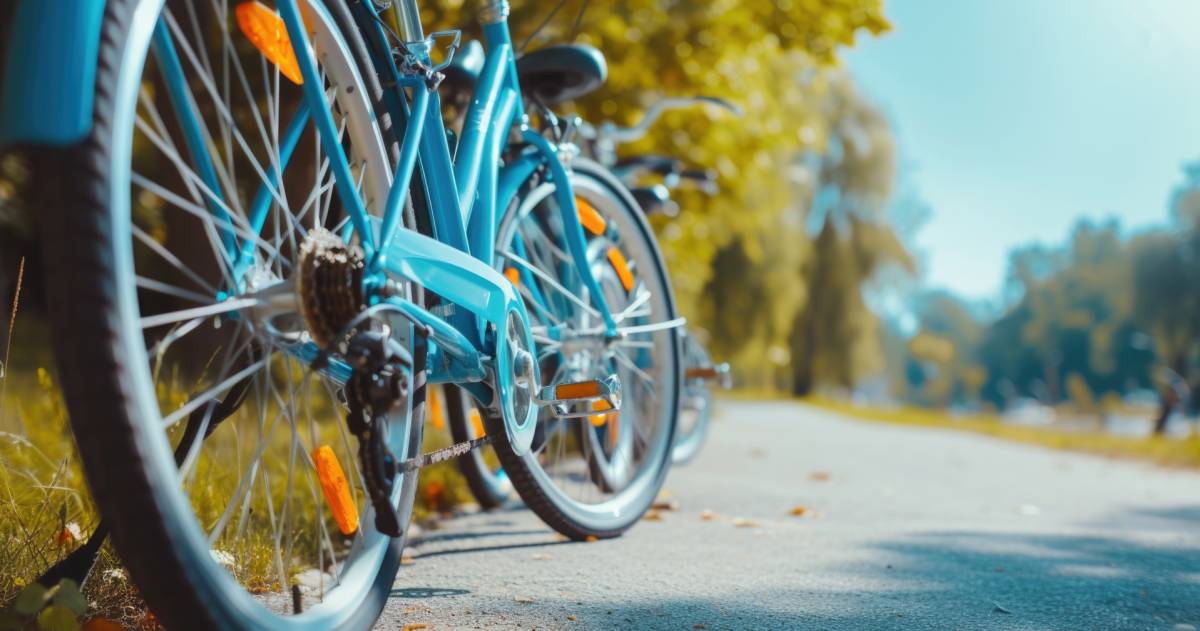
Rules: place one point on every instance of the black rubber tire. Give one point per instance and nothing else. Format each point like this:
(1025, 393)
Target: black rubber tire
(73, 191)
(520, 468)
(480, 478)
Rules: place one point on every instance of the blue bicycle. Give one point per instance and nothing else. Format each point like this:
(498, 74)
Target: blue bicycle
(262, 246)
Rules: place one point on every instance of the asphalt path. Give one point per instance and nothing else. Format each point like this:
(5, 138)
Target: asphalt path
(901, 528)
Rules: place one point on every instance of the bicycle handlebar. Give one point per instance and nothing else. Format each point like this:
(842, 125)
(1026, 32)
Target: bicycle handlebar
(630, 134)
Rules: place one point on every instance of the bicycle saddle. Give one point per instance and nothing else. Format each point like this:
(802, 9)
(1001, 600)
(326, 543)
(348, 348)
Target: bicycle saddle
(561, 73)
(463, 71)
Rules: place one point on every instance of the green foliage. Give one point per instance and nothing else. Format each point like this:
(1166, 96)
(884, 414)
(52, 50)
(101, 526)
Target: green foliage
(57, 608)
(1088, 321)
(736, 258)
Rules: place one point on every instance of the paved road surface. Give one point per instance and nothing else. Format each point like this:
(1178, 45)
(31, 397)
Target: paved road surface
(913, 528)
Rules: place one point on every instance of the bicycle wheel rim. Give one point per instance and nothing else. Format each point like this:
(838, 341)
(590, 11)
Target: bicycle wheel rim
(595, 511)
(370, 551)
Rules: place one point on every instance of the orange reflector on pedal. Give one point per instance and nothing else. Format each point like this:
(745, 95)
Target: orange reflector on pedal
(266, 30)
(599, 405)
(621, 267)
(513, 275)
(477, 423)
(336, 489)
(590, 217)
(581, 390)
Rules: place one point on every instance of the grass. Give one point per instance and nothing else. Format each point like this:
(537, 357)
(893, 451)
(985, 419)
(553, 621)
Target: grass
(46, 510)
(1160, 450)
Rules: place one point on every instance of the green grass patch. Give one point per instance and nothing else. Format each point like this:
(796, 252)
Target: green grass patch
(46, 510)
(1161, 450)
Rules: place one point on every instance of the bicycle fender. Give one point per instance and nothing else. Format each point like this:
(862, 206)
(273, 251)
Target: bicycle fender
(50, 72)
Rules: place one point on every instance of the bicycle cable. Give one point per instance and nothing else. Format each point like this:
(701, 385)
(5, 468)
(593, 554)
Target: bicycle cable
(537, 31)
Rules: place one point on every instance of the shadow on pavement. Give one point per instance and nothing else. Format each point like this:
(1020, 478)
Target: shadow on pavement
(427, 592)
(1114, 578)
(441, 537)
(511, 546)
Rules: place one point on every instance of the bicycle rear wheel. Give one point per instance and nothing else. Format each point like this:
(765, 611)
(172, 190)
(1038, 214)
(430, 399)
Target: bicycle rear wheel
(594, 477)
(167, 338)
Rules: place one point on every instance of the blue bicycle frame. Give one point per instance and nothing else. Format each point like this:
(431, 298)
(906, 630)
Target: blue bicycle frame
(463, 193)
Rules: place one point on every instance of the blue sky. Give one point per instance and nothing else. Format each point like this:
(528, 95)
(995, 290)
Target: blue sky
(1017, 117)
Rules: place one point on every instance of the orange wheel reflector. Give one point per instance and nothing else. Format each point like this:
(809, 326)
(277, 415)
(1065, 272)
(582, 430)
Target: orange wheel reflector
(621, 266)
(336, 489)
(513, 275)
(590, 217)
(437, 414)
(266, 30)
(477, 423)
(581, 390)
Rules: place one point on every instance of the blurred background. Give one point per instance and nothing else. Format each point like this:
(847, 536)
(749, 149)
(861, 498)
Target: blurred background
(979, 208)
(974, 214)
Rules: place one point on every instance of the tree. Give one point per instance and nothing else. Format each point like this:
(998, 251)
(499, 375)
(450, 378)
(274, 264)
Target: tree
(734, 256)
(835, 336)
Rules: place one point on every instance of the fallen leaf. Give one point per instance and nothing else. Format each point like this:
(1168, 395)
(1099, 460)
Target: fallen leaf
(70, 533)
(592, 539)
(666, 505)
(571, 617)
(819, 476)
(413, 626)
(707, 515)
(999, 609)
(561, 537)
(408, 556)
(524, 600)
(652, 515)
(798, 511)
(741, 522)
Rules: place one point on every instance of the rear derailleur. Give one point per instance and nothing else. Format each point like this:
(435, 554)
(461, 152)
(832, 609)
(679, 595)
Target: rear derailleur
(380, 382)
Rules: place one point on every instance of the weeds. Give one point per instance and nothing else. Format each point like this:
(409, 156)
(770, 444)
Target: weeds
(46, 510)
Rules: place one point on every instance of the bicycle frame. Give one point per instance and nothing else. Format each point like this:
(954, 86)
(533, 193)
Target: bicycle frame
(464, 192)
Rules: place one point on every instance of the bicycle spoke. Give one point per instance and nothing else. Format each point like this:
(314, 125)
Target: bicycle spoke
(550, 281)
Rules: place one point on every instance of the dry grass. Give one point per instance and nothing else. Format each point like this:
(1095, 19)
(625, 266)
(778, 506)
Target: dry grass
(1157, 449)
(46, 510)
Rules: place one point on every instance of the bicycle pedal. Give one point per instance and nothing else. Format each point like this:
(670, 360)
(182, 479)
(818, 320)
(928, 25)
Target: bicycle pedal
(716, 372)
(582, 399)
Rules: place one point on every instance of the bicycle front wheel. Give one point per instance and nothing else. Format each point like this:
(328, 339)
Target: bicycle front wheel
(174, 232)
